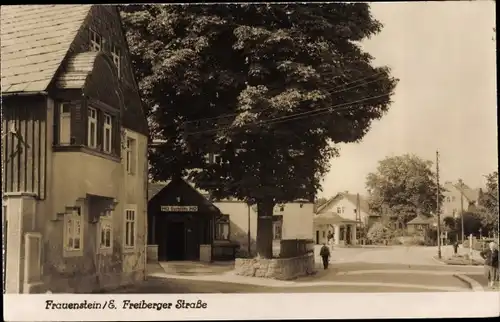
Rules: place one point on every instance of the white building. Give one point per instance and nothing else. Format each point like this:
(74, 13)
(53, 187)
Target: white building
(339, 216)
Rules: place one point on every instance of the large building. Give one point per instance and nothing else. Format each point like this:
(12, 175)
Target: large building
(340, 216)
(458, 196)
(74, 150)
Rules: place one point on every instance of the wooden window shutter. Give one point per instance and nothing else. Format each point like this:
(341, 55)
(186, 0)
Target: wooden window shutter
(116, 135)
(79, 123)
(55, 125)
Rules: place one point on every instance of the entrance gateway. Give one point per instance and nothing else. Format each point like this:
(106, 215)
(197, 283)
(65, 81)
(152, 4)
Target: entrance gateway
(180, 221)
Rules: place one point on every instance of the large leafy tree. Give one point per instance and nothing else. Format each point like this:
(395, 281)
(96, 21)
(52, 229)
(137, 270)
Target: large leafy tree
(271, 88)
(488, 203)
(403, 186)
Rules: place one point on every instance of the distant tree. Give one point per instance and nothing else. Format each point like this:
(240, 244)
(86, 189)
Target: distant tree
(402, 186)
(267, 87)
(488, 202)
(319, 202)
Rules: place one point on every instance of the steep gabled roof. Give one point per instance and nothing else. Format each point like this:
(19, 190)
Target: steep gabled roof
(421, 220)
(352, 198)
(35, 39)
(469, 193)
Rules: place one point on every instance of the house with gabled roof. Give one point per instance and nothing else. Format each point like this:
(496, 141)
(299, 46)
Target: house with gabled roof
(458, 196)
(74, 150)
(341, 216)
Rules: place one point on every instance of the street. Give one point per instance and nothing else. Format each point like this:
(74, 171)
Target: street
(371, 269)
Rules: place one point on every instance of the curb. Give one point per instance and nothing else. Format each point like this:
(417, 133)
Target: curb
(473, 284)
(443, 263)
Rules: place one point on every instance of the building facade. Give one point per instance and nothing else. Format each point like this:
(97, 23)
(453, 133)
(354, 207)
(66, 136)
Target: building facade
(458, 196)
(74, 138)
(339, 216)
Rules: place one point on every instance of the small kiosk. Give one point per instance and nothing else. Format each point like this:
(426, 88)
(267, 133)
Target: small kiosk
(184, 225)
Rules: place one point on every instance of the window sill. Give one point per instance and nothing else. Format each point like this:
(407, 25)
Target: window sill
(106, 251)
(85, 149)
(129, 249)
(72, 253)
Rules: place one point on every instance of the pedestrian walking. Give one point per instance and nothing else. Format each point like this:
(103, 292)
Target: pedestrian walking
(455, 247)
(325, 255)
(330, 240)
(490, 256)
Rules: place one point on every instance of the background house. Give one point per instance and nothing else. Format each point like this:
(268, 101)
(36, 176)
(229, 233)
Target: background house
(340, 214)
(452, 203)
(74, 150)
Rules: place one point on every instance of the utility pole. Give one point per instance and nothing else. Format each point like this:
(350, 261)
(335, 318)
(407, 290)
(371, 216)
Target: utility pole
(462, 207)
(438, 208)
(358, 215)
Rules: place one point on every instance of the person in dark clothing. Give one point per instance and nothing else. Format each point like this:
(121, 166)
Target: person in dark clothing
(490, 256)
(325, 255)
(455, 247)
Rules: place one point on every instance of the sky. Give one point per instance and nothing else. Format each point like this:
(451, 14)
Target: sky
(444, 55)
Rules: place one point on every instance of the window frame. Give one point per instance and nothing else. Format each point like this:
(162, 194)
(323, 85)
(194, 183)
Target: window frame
(130, 235)
(278, 226)
(130, 164)
(222, 222)
(73, 219)
(106, 224)
(116, 57)
(66, 116)
(91, 120)
(107, 126)
(95, 43)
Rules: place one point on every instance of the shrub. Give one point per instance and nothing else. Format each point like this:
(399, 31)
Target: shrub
(378, 233)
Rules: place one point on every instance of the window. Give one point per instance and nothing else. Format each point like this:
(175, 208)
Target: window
(64, 123)
(453, 198)
(73, 233)
(129, 228)
(106, 229)
(277, 229)
(222, 226)
(339, 210)
(108, 127)
(116, 55)
(95, 41)
(130, 156)
(324, 234)
(92, 128)
(447, 199)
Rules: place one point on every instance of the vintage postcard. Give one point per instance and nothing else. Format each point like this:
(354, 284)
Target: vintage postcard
(216, 160)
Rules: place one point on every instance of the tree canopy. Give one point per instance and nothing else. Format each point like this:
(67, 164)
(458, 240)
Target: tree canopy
(403, 186)
(270, 88)
(488, 202)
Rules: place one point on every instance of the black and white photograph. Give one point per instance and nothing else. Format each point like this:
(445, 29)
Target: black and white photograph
(219, 148)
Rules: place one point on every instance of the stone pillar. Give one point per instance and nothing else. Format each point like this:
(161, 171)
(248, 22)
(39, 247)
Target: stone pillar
(336, 235)
(353, 235)
(20, 208)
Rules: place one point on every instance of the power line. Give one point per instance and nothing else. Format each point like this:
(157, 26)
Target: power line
(336, 90)
(300, 115)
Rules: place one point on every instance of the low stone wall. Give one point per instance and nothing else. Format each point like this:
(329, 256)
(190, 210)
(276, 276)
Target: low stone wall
(276, 268)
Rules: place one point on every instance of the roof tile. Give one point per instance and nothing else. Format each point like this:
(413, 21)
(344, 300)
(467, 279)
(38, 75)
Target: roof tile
(34, 42)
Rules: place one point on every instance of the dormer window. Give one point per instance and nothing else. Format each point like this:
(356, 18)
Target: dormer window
(95, 41)
(116, 55)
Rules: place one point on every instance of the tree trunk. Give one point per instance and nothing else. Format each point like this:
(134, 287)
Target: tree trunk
(265, 229)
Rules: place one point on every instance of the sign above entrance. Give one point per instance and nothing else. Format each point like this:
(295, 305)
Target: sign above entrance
(179, 208)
